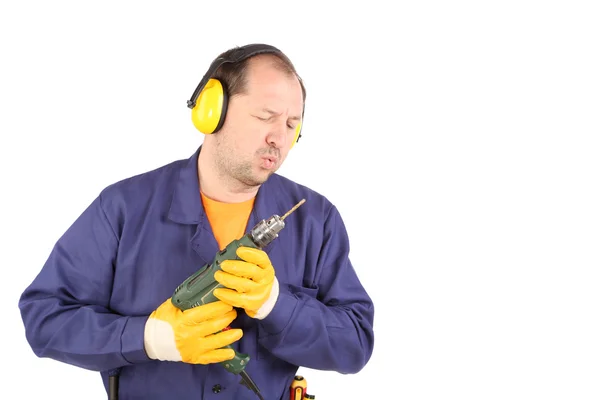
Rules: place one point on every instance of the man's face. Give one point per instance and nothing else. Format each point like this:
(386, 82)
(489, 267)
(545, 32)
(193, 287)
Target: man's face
(260, 125)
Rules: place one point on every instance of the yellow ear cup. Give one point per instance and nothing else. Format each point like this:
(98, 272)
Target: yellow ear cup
(208, 111)
(298, 128)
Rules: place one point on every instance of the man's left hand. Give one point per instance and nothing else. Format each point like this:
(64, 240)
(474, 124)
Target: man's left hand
(249, 283)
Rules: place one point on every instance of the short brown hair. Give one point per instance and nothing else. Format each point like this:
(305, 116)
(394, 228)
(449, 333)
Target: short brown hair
(234, 75)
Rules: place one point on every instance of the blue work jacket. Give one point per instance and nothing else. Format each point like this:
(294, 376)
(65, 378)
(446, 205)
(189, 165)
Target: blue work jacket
(143, 236)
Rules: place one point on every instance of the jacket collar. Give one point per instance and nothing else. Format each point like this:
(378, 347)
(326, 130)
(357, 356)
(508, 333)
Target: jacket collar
(186, 204)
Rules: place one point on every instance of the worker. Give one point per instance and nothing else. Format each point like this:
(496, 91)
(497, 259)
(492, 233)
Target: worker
(102, 299)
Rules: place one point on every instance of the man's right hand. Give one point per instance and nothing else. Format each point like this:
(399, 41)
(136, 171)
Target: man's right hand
(190, 336)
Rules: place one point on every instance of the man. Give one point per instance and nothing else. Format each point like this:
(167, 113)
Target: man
(103, 302)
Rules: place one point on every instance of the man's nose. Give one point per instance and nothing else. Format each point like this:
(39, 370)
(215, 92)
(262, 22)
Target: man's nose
(277, 135)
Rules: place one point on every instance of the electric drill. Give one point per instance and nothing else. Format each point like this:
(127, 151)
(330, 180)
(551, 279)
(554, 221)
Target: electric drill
(198, 288)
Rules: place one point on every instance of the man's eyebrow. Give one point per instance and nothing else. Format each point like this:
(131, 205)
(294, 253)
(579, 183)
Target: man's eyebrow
(272, 112)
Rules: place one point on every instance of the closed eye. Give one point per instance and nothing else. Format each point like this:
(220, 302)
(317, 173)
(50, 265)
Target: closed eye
(265, 119)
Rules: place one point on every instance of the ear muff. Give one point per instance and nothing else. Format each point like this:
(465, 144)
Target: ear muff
(297, 135)
(209, 112)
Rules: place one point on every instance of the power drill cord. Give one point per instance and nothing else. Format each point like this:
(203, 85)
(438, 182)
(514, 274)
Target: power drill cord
(249, 383)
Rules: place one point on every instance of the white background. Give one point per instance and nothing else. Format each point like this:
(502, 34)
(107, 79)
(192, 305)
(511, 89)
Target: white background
(458, 139)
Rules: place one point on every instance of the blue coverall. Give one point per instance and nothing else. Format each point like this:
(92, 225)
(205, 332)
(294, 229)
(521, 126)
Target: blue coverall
(143, 236)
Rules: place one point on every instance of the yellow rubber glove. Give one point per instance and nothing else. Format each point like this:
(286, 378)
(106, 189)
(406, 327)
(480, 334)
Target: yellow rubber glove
(189, 336)
(249, 283)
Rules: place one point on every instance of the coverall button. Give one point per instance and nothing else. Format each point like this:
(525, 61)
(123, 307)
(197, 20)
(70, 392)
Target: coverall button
(216, 388)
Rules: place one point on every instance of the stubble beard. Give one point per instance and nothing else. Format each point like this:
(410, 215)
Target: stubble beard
(238, 173)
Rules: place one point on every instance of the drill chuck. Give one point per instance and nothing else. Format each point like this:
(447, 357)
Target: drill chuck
(266, 231)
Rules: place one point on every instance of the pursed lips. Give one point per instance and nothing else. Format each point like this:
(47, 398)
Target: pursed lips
(273, 159)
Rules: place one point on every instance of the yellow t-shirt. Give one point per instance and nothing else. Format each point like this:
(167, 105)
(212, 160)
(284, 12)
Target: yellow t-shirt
(228, 220)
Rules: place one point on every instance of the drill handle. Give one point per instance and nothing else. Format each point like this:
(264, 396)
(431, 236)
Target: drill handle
(238, 363)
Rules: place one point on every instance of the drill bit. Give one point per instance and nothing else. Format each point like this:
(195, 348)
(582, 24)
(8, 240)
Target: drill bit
(293, 209)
